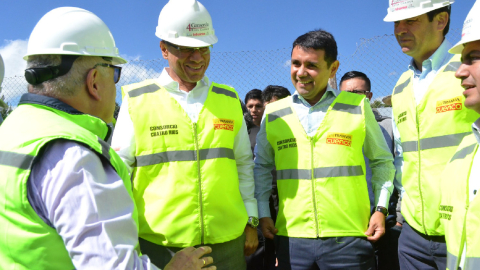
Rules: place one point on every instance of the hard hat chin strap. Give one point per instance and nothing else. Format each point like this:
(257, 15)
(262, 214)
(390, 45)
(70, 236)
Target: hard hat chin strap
(39, 75)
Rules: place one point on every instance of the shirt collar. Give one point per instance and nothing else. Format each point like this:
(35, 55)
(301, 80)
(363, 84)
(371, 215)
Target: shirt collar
(297, 98)
(166, 81)
(476, 130)
(436, 60)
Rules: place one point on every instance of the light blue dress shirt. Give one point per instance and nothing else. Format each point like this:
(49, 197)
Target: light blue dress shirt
(375, 148)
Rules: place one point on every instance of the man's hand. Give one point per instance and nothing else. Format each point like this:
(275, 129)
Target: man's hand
(251, 240)
(376, 228)
(268, 228)
(191, 259)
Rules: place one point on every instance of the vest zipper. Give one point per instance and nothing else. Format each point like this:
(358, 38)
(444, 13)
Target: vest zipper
(313, 188)
(420, 173)
(199, 184)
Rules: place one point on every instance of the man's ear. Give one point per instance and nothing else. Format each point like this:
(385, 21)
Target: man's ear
(92, 84)
(163, 47)
(442, 18)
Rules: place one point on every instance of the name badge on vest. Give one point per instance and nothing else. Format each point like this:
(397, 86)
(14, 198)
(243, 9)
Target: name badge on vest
(402, 117)
(163, 130)
(339, 138)
(452, 104)
(222, 123)
(287, 143)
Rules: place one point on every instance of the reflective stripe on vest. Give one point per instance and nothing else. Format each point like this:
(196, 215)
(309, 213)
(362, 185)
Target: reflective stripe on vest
(339, 171)
(430, 131)
(16, 160)
(434, 142)
(184, 155)
(185, 172)
(332, 163)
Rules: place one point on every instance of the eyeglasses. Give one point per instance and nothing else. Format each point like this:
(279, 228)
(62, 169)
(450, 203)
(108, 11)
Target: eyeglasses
(117, 71)
(189, 50)
(360, 92)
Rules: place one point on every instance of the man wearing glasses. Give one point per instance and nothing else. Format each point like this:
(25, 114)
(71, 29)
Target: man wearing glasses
(186, 143)
(387, 247)
(66, 197)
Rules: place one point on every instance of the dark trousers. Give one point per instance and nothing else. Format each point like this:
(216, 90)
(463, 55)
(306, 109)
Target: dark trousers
(419, 251)
(387, 249)
(355, 253)
(264, 257)
(226, 256)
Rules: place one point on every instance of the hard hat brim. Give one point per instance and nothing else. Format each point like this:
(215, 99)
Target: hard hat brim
(193, 42)
(116, 60)
(407, 14)
(458, 48)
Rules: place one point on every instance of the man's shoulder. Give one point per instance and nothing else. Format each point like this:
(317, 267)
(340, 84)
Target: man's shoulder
(145, 86)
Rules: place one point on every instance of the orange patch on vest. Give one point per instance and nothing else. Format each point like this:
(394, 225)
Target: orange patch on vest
(225, 124)
(453, 104)
(339, 138)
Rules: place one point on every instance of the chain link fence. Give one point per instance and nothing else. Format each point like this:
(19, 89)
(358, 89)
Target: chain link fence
(379, 57)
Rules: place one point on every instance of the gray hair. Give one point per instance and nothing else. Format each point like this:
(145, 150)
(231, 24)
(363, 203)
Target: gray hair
(67, 85)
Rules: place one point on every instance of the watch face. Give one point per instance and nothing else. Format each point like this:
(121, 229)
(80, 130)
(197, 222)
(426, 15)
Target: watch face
(253, 221)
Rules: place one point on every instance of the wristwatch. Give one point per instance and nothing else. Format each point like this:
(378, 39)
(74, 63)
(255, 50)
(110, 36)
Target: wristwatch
(382, 210)
(253, 222)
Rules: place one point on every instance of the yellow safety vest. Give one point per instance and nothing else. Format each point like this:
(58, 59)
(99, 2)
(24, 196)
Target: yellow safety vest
(321, 182)
(460, 217)
(27, 242)
(185, 178)
(430, 133)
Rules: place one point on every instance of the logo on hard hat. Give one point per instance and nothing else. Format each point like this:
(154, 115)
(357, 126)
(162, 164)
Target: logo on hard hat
(198, 26)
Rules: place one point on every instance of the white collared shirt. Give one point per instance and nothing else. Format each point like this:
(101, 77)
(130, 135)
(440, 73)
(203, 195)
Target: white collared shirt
(192, 102)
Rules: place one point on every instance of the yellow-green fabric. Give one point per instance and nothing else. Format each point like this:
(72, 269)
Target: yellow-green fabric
(460, 217)
(321, 182)
(185, 178)
(26, 242)
(430, 133)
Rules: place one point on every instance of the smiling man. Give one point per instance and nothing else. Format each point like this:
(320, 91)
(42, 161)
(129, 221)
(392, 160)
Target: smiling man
(186, 143)
(429, 123)
(460, 205)
(315, 139)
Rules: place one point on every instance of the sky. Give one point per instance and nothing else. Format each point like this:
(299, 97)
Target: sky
(246, 25)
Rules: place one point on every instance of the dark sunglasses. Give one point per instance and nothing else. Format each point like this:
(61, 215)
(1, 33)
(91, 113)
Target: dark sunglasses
(360, 92)
(117, 71)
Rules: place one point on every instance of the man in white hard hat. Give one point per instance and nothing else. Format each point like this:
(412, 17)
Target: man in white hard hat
(429, 123)
(185, 140)
(460, 205)
(66, 197)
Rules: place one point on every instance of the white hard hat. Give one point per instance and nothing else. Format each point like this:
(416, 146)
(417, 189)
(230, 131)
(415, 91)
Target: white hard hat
(72, 31)
(186, 23)
(2, 71)
(471, 29)
(406, 9)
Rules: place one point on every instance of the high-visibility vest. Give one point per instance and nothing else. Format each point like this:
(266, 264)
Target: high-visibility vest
(27, 242)
(321, 182)
(430, 133)
(185, 178)
(460, 217)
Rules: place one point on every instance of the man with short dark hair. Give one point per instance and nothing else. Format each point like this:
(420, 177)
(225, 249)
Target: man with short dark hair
(387, 248)
(273, 93)
(426, 99)
(315, 139)
(254, 104)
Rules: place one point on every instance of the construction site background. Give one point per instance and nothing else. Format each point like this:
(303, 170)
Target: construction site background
(379, 57)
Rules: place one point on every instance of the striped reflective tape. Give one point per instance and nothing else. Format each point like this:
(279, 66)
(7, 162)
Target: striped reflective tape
(322, 172)
(400, 87)
(184, 155)
(434, 142)
(144, 90)
(464, 152)
(342, 107)
(453, 66)
(279, 114)
(222, 91)
(105, 148)
(16, 160)
(471, 263)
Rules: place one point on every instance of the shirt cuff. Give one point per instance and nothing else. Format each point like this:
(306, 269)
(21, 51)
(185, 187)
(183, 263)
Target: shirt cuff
(251, 209)
(263, 209)
(383, 198)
